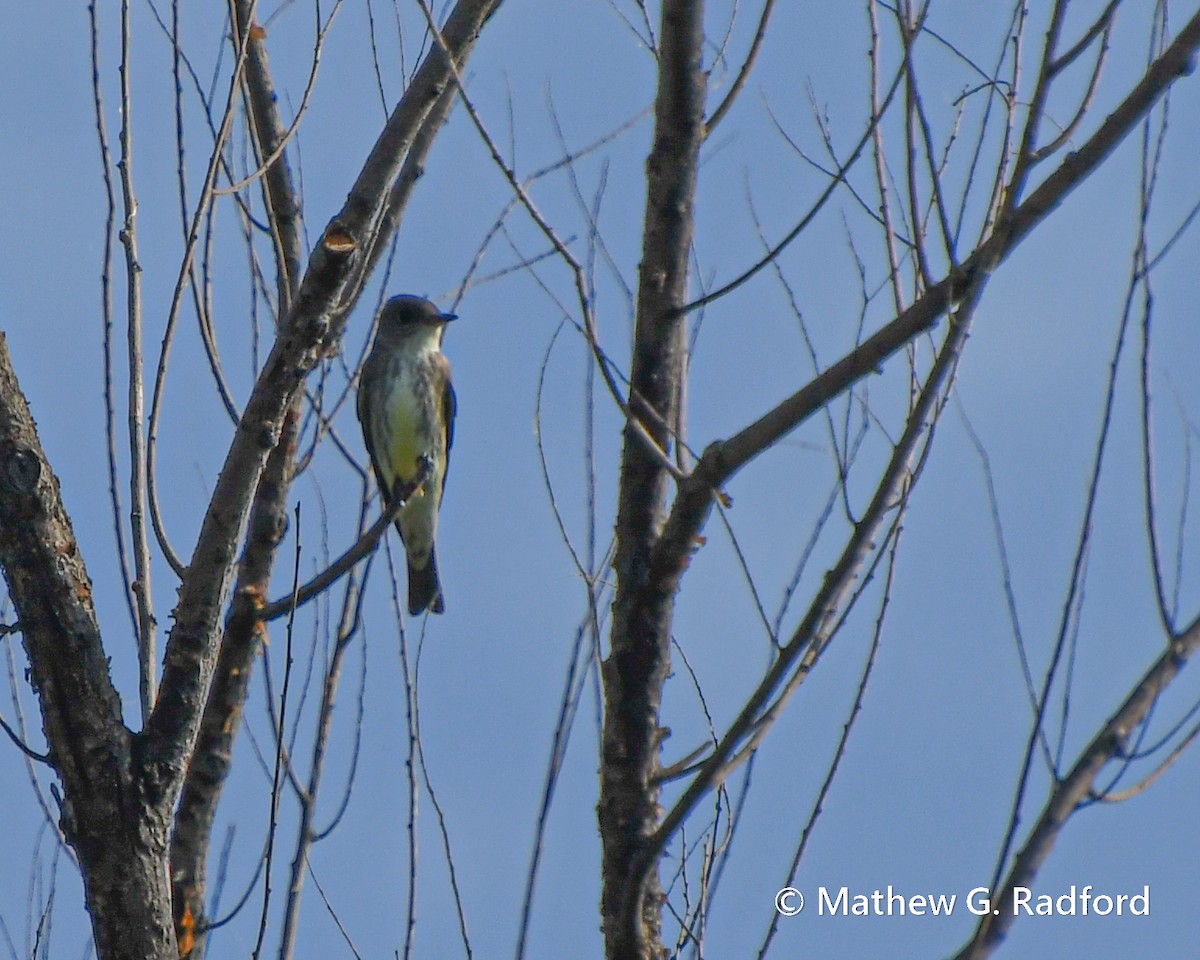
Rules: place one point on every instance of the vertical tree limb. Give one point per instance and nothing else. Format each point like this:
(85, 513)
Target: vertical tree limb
(142, 592)
(639, 660)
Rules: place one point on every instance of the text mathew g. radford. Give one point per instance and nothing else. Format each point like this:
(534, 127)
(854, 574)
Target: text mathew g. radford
(1076, 901)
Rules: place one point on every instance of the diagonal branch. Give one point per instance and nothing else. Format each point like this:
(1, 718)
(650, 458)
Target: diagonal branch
(724, 458)
(743, 74)
(405, 143)
(363, 546)
(1076, 787)
(314, 322)
(825, 613)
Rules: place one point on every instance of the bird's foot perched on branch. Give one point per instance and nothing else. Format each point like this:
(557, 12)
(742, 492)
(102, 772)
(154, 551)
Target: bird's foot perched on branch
(403, 491)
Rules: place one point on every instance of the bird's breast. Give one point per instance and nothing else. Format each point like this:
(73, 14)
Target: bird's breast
(412, 427)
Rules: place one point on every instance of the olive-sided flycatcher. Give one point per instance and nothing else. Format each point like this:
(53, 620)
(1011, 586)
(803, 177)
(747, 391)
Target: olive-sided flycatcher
(406, 407)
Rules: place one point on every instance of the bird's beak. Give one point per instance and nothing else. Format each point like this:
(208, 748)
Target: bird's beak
(447, 317)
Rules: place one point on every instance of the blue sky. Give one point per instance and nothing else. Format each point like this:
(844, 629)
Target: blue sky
(925, 789)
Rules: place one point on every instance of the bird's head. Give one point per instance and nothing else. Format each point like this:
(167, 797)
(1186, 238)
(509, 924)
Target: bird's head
(405, 314)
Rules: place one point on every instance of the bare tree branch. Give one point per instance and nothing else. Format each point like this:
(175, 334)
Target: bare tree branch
(279, 190)
(106, 309)
(1075, 788)
(743, 74)
(722, 459)
(388, 178)
(90, 747)
(142, 592)
(315, 320)
(637, 665)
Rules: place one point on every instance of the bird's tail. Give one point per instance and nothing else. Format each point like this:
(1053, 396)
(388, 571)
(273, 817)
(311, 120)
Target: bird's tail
(424, 588)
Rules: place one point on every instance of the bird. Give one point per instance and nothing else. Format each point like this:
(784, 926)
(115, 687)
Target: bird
(406, 406)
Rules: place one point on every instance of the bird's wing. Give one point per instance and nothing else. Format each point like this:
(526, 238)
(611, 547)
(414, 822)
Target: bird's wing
(364, 380)
(449, 409)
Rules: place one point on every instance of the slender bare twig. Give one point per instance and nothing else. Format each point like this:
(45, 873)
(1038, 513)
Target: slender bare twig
(8, 941)
(995, 87)
(831, 172)
(257, 35)
(182, 283)
(1006, 576)
(333, 913)
(572, 693)
(1075, 787)
(1101, 25)
(647, 39)
(566, 161)
(842, 172)
(547, 481)
(747, 576)
(795, 660)
(343, 805)
(880, 164)
(363, 546)
(200, 302)
(743, 73)
(443, 831)
(31, 772)
(251, 885)
(573, 264)
(306, 835)
(1026, 157)
(21, 745)
(591, 212)
(276, 781)
(1085, 102)
(106, 310)
(200, 286)
(919, 249)
(934, 170)
(839, 751)
(1151, 161)
(410, 766)
(1150, 779)
(142, 592)
(383, 100)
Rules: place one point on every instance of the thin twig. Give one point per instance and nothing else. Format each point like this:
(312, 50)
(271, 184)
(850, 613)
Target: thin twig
(106, 311)
(743, 74)
(276, 781)
(842, 172)
(576, 268)
(361, 548)
(142, 593)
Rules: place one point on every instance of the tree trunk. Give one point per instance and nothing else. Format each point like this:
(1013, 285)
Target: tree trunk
(126, 886)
